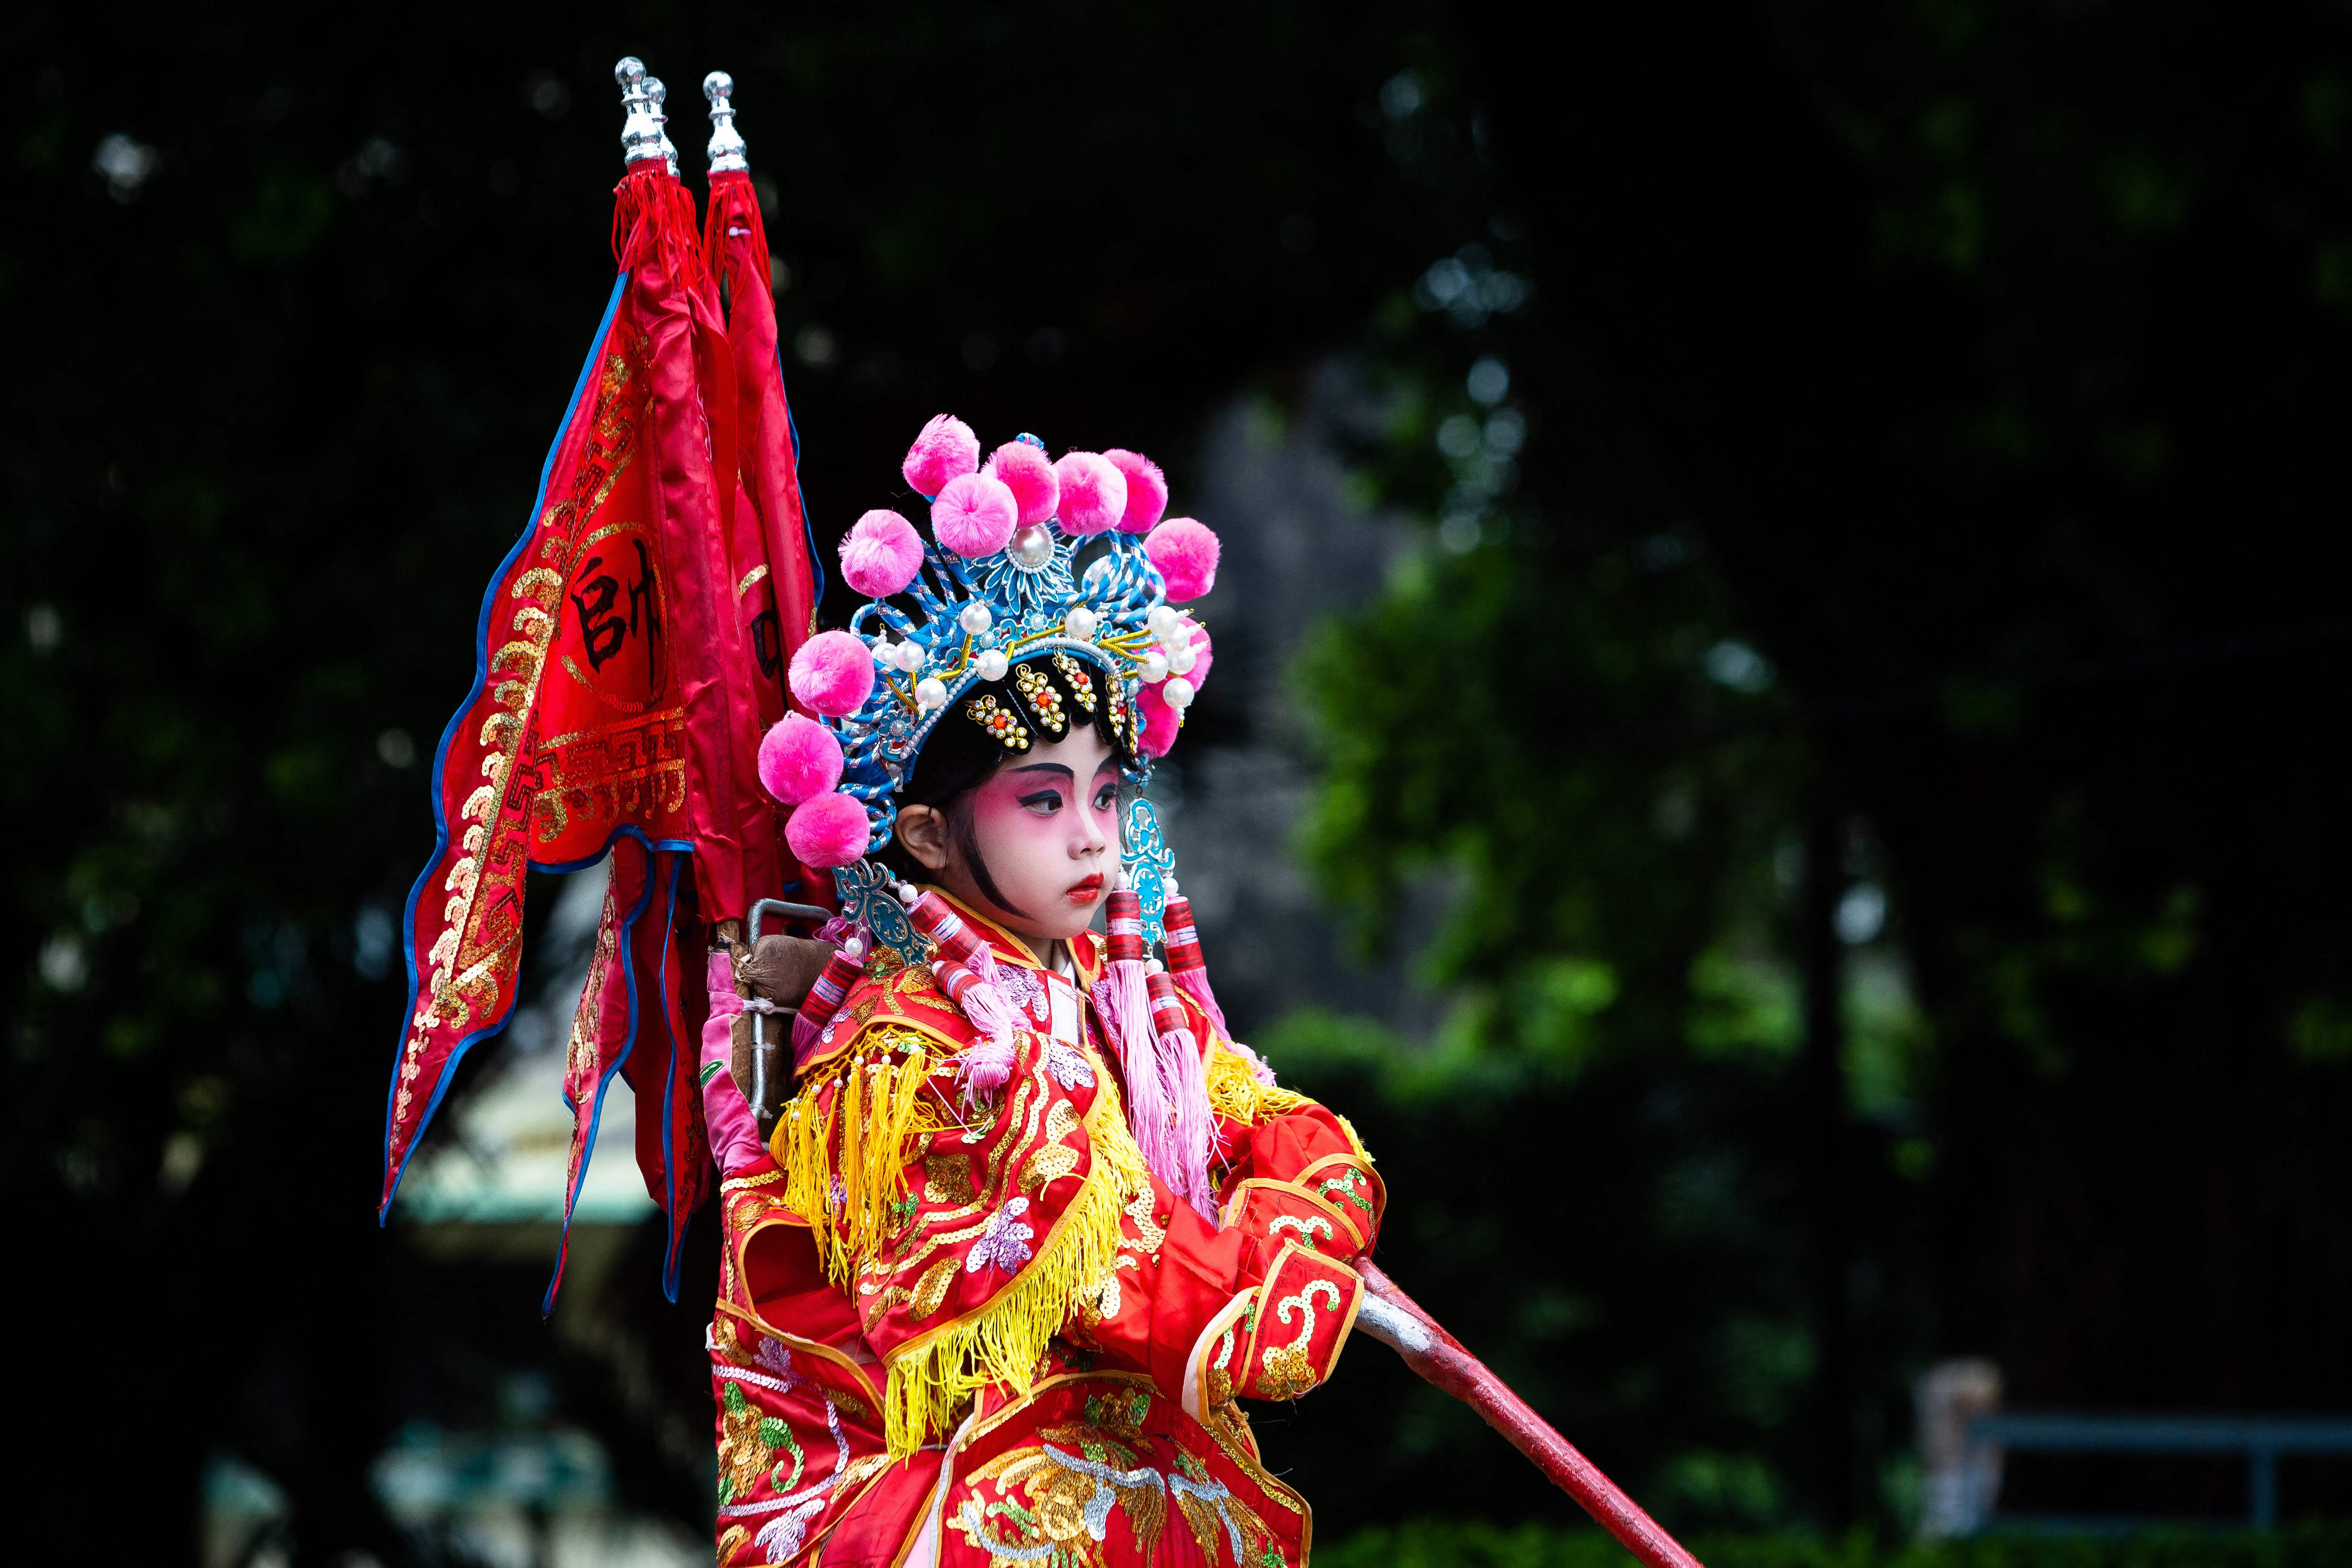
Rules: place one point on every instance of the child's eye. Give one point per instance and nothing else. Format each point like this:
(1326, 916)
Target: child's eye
(1106, 796)
(1044, 802)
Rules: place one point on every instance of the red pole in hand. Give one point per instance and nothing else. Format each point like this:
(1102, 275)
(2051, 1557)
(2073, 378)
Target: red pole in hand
(1391, 1317)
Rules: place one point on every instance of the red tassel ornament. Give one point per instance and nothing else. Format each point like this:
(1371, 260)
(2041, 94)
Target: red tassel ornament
(825, 998)
(1185, 965)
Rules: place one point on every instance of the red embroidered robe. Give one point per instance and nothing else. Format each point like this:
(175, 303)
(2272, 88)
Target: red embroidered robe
(968, 1335)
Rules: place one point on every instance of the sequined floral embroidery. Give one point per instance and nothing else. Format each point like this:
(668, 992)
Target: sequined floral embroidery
(1286, 1373)
(754, 1445)
(1344, 1185)
(1068, 1065)
(1051, 1502)
(1309, 1229)
(1005, 1243)
(1023, 988)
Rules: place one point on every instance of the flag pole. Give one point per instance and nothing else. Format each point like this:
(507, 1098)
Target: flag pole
(1391, 1315)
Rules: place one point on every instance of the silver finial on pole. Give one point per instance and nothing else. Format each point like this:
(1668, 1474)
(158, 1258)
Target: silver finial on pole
(727, 149)
(660, 95)
(641, 134)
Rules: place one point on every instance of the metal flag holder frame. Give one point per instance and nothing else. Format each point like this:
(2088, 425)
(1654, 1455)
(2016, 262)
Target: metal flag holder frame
(764, 1051)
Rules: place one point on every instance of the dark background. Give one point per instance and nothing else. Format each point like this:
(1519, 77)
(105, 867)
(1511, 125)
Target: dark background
(1932, 482)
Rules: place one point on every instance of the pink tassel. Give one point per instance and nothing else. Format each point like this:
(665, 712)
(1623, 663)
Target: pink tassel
(1148, 1116)
(1125, 1004)
(966, 953)
(1193, 1129)
(1190, 970)
(987, 1065)
(957, 943)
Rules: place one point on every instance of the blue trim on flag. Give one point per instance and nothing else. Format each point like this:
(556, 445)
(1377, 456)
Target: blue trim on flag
(808, 529)
(565, 867)
(669, 1091)
(604, 1078)
(440, 761)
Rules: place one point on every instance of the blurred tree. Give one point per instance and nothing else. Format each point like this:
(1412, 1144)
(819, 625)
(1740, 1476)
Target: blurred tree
(1952, 331)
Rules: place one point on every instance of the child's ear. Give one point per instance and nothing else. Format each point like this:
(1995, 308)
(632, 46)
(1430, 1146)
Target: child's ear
(923, 831)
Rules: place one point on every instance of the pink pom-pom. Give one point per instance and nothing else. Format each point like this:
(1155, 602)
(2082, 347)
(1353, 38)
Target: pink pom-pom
(880, 555)
(1094, 493)
(1147, 489)
(799, 760)
(829, 831)
(947, 449)
(1159, 721)
(1025, 472)
(1186, 555)
(974, 515)
(834, 673)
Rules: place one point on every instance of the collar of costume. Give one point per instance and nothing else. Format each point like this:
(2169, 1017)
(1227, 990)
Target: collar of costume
(1086, 948)
(901, 990)
(1008, 948)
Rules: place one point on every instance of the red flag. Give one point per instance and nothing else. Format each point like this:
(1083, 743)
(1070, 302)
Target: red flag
(778, 580)
(606, 715)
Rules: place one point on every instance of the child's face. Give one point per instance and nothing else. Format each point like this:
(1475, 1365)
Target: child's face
(1047, 827)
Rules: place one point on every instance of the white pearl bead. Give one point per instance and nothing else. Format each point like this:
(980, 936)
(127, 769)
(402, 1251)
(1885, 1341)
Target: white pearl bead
(882, 649)
(974, 619)
(1162, 620)
(1168, 886)
(1177, 693)
(1155, 668)
(908, 657)
(1032, 547)
(1079, 624)
(993, 664)
(853, 947)
(1184, 658)
(930, 692)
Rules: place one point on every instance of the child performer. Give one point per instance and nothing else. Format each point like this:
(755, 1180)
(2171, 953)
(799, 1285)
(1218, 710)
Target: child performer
(1033, 1221)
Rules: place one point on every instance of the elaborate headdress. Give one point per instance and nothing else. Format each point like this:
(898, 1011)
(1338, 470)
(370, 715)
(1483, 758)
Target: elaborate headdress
(993, 622)
(948, 620)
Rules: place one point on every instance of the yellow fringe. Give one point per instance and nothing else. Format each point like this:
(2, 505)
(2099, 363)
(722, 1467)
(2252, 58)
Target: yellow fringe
(877, 1123)
(1234, 1091)
(1000, 1343)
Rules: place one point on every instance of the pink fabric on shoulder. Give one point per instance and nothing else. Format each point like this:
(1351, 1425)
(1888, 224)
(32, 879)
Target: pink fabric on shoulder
(734, 1133)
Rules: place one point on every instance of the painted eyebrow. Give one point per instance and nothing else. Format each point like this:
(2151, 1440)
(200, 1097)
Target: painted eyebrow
(1047, 768)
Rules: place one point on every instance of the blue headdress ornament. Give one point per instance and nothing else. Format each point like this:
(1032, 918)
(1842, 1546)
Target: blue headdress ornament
(947, 638)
